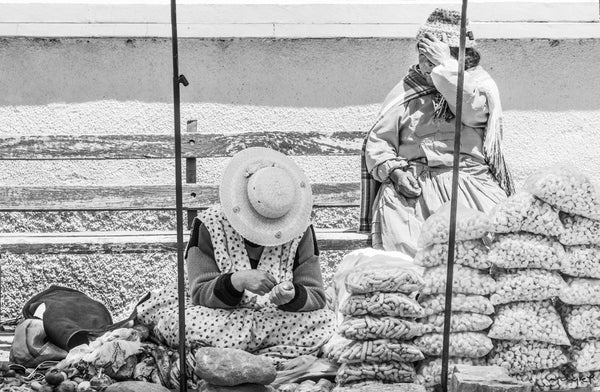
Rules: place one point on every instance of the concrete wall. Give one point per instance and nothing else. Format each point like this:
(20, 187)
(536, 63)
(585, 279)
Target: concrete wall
(114, 85)
(285, 69)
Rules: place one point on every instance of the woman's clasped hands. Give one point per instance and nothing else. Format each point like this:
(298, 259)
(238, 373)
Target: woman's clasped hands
(261, 282)
(405, 183)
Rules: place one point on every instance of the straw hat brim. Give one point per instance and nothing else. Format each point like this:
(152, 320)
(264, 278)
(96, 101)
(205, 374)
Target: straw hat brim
(239, 211)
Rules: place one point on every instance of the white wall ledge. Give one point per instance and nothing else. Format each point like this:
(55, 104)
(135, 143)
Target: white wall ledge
(281, 30)
(292, 19)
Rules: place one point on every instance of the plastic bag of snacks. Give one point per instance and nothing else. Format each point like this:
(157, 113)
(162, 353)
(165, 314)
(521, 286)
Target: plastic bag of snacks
(429, 372)
(526, 356)
(586, 356)
(459, 322)
(434, 304)
(369, 328)
(538, 321)
(552, 379)
(388, 280)
(472, 253)
(380, 350)
(382, 304)
(525, 250)
(392, 372)
(579, 291)
(524, 212)
(582, 322)
(361, 260)
(470, 224)
(462, 344)
(526, 285)
(567, 190)
(579, 230)
(465, 281)
(582, 261)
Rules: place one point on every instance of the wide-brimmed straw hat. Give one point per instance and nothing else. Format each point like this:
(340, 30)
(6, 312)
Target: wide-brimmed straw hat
(444, 24)
(265, 196)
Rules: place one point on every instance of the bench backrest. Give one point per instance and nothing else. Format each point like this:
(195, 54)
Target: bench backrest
(195, 145)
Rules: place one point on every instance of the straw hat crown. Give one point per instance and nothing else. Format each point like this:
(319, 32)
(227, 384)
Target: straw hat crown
(271, 192)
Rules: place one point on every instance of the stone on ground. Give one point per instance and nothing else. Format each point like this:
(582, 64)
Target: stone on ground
(230, 367)
(466, 378)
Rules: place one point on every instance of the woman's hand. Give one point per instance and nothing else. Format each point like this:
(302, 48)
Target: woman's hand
(405, 183)
(282, 293)
(435, 50)
(256, 281)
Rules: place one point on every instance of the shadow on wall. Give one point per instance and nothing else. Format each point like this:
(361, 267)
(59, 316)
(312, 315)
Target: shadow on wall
(532, 74)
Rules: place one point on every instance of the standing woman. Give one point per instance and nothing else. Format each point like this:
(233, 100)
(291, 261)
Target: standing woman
(408, 153)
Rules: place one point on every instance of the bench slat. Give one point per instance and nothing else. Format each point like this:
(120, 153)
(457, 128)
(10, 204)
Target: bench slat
(146, 197)
(139, 242)
(194, 145)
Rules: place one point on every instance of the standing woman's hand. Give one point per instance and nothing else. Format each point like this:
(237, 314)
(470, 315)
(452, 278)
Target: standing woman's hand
(435, 50)
(405, 183)
(256, 281)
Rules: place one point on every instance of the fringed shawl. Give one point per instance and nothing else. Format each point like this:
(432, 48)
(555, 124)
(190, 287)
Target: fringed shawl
(413, 86)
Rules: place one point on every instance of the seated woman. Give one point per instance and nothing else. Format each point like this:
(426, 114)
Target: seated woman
(408, 153)
(253, 266)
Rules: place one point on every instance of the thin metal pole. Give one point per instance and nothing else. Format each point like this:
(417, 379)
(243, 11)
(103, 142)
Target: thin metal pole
(178, 200)
(454, 197)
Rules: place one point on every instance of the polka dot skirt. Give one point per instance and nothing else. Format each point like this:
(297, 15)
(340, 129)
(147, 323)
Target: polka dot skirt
(269, 331)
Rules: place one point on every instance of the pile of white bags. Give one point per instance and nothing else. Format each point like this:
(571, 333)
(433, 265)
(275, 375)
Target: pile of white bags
(472, 285)
(377, 312)
(578, 202)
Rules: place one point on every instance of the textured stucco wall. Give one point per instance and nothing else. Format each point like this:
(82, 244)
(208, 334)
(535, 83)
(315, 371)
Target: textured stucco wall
(110, 86)
(102, 86)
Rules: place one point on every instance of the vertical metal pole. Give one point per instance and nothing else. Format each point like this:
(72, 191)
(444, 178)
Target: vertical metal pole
(178, 200)
(454, 197)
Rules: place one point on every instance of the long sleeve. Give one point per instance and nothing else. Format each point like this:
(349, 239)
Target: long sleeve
(381, 152)
(475, 108)
(208, 286)
(211, 288)
(308, 282)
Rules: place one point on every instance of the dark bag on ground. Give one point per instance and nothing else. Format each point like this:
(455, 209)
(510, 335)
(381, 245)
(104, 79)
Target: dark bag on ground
(58, 319)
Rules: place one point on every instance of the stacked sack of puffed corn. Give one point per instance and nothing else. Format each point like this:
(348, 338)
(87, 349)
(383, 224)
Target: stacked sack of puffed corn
(530, 340)
(378, 323)
(472, 285)
(578, 201)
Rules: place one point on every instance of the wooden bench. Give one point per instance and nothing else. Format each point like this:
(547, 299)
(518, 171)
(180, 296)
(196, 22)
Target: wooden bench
(196, 196)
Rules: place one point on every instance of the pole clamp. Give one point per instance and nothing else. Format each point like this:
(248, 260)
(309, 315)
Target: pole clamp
(182, 80)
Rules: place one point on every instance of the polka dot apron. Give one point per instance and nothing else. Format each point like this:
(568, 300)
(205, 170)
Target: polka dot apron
(230, 255)
(256, 325)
